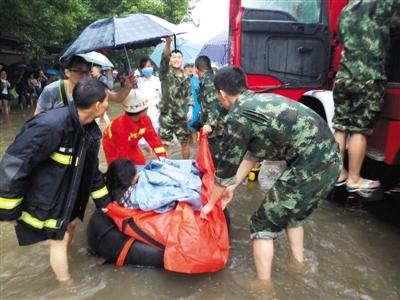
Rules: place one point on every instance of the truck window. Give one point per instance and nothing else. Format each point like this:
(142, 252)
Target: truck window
(305, 11)
(284, 40)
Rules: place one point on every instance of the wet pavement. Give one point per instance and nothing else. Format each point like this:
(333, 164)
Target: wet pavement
(350, 254)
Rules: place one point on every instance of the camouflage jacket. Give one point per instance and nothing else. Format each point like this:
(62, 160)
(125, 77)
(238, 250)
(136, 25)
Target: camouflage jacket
(364, 30)
(273, 127)
(176, 91)
(211, 110)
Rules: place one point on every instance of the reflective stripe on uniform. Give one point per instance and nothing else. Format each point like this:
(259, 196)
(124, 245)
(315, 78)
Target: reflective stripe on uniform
(9, 203)
(64, 159)
(142, 130)
(135, 135)
(159, 150)
(100, 193)
(39, 224)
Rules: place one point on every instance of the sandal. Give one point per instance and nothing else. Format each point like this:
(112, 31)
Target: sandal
(366, 191)
(341, 182)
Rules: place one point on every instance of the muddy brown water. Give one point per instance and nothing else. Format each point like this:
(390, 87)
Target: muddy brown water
(349, 255)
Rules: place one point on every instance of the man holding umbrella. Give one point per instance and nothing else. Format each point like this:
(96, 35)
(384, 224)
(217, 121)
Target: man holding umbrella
(176, 94)
(59, 93)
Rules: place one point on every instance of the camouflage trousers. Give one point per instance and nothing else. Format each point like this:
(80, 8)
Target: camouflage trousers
(169, 127)
(287, 203)
(357, 104)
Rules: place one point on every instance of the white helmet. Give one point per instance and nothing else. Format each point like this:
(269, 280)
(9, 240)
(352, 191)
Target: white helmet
(135, 102)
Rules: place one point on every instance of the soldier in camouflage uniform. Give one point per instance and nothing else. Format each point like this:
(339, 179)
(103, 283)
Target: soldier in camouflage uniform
(360, 83)
(271, 127)
(211, 116)
(176, 94)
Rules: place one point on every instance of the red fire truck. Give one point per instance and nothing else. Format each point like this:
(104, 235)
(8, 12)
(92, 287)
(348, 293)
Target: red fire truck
(292, 48)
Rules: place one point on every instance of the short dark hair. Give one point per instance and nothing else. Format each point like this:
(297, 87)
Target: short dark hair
(231, 80)
(203, 63)
(119, 177)
(88, 91)
(74, 61)
(143, 61)
(177, 51)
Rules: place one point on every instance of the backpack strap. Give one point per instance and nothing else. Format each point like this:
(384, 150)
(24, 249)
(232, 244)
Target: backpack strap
(62, 93)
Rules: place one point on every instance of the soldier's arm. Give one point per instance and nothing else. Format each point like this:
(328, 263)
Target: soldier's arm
(165, 57)
(232, 151)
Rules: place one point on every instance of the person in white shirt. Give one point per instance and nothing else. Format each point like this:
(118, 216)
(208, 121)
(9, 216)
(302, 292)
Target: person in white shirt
(149, 85)
(5, 95)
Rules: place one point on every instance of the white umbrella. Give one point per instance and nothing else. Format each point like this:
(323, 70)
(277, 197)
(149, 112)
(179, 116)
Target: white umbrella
(96, 58)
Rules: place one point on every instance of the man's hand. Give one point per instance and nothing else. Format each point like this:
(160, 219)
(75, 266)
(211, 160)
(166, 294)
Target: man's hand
(168, 39)
(206, 210)
(206, 129)
(189, 115)
(227, 196)
(131, 81)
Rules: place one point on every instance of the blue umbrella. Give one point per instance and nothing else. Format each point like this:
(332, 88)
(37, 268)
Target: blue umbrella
(52, 72)
(133, 30)
(217, 48)
(189, 51)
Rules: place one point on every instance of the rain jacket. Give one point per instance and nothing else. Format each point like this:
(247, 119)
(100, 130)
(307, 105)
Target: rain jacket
(121, 138)
(48, 173)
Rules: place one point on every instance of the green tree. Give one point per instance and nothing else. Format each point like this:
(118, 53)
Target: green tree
(42, 23)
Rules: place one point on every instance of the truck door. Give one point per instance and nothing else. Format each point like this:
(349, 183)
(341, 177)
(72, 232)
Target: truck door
(287, 40)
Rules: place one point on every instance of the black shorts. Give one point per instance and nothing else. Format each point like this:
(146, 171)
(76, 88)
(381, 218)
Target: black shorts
(5, 96)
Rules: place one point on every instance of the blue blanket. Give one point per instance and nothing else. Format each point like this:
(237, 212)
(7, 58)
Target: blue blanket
(162, 183)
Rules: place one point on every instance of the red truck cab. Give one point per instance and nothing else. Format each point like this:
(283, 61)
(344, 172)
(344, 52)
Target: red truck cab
(292, 48)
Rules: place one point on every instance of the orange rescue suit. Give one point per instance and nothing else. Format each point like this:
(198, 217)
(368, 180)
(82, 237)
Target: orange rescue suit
(121, 138)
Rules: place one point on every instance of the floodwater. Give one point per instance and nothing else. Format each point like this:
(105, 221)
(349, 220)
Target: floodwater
(349, 255)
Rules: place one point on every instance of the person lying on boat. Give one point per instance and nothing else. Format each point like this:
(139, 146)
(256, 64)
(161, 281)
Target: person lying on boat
(159, 186)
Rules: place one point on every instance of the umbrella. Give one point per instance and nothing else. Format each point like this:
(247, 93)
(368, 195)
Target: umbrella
(133, 30)
(53, 72)
(189, 51)
(217, 48)
(97, 59)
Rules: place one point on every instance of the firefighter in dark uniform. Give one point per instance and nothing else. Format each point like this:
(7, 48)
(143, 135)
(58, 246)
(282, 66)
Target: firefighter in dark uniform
(50, 170)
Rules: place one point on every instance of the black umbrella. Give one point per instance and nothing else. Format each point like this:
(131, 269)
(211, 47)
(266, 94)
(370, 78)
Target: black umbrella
(134, 30)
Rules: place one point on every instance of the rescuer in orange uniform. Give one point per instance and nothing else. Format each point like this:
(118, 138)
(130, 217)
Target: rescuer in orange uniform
(121, 137)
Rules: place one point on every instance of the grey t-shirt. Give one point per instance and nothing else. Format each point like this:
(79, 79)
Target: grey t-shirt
(50, 97)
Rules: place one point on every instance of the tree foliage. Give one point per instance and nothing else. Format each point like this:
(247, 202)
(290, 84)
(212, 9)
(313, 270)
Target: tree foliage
(42, 23)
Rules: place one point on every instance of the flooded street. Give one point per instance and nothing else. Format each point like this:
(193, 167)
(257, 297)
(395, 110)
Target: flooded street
(349, 255)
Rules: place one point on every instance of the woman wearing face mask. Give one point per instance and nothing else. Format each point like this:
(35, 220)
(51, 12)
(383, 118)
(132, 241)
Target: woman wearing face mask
(149, 85)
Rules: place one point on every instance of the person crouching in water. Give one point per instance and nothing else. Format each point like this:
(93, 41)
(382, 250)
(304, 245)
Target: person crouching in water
(121, 137)
(272, 127)
(51, 169)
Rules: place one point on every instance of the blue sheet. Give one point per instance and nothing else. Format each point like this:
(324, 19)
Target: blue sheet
(162, 183)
